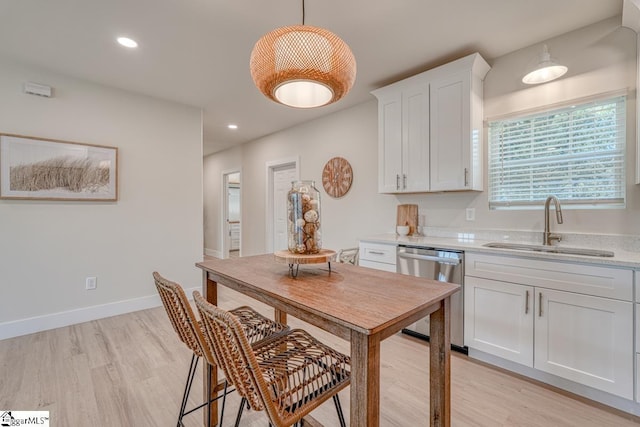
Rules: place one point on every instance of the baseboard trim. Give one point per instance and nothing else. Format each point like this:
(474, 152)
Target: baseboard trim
(213, 253)
(16, 328)
(603, 397)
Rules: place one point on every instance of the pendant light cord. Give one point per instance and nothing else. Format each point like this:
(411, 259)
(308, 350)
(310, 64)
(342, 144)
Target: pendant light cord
(302, 12)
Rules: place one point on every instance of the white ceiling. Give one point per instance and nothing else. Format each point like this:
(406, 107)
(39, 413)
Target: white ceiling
(196, 52)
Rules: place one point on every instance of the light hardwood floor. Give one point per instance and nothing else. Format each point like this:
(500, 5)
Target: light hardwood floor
(129, 371)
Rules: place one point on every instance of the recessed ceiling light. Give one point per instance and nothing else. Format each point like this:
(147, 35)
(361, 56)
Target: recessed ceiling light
(127, 42)
(232, 126)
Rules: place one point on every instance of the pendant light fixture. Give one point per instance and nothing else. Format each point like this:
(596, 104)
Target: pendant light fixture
(545, 71)
(302, 66)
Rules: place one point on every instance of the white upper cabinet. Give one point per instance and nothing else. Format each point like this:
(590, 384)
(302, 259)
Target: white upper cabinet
(456, 129)
(403, 150)
(390, 146)
(415, 154)
(430, 129)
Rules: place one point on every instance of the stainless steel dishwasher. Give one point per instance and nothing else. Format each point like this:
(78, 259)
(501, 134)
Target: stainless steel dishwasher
(443, 265)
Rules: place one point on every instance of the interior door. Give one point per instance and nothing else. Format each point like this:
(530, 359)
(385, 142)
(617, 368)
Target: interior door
(282, 178)
(231, 214)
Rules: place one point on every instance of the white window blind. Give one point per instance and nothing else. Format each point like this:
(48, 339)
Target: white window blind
(576, 153)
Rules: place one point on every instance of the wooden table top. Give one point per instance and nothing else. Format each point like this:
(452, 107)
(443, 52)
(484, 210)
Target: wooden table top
(357, 298)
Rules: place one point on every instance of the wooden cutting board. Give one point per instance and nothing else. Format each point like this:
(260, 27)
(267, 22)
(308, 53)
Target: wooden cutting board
(408, 215)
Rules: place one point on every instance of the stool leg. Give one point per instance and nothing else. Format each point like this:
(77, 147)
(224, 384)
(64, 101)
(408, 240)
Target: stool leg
(208, 395)
(187, 387)
(224, 399)
(336, 400)
(242, 403)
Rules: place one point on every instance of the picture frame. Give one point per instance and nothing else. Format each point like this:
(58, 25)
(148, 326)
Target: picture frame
(33, 168)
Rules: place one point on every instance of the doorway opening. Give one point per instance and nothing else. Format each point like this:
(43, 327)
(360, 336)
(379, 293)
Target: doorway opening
(231, 225)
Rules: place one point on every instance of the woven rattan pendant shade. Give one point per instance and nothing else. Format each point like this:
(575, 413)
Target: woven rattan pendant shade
(302, 66)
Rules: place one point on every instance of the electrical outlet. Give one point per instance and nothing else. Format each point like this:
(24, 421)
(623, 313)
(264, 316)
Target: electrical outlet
(91, 283)
(471, 214)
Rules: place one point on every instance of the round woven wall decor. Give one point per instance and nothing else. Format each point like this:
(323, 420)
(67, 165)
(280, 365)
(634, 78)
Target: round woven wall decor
(337, 177)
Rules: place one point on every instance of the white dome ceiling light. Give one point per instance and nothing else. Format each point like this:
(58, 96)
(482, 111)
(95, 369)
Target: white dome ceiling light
(545, 71)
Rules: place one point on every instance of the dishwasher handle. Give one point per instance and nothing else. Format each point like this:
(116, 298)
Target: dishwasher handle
(441, 260)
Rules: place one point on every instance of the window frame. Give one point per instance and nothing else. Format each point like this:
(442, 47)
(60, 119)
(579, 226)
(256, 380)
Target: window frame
(617, 154)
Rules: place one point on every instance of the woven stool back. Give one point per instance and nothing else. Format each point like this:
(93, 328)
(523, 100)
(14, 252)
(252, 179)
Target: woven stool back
(288, 375)
(180, 313)
(224, 334)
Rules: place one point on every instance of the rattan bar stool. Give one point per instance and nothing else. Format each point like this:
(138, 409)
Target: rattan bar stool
(190, 332)
(287, 376)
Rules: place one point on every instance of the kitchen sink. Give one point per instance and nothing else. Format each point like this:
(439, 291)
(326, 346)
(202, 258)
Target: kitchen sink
(549, 249)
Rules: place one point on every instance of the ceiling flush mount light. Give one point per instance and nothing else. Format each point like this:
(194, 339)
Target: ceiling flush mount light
(232, 126)
(127, 42)
(545, 71)
(302, 66)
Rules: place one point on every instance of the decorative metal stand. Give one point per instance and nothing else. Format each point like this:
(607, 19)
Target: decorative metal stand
(294, 260)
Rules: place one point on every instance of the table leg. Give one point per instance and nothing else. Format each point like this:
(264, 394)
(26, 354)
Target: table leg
(280, 316)
(440, 366)
(365, 380)
(210, 291)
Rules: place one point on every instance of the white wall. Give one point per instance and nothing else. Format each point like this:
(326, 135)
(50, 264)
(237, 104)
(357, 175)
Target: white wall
(214, 168)
(350, 133)
(601, 58)
(48, 248)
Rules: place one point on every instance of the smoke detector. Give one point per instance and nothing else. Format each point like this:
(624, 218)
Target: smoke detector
(37, 89)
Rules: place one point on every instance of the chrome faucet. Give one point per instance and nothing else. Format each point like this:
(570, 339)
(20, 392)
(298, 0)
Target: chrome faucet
(548, 236)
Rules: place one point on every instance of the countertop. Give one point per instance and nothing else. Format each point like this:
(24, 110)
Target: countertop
(626, 249)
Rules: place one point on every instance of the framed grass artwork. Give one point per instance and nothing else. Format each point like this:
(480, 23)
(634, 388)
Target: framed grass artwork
(48, 169)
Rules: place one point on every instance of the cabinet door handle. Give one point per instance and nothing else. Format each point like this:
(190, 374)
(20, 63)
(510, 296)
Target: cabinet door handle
(376, 253)
(404, 181)
(526, 304)
(540, 304)
(466, 177)
(397, 181)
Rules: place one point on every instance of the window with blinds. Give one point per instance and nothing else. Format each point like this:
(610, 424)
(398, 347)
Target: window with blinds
(576, 153)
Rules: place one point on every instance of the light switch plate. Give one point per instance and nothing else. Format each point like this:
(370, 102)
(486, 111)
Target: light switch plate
(91, 283)
(471, 214)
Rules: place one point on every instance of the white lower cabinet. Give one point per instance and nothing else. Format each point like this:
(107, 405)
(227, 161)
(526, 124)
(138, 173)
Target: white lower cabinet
(637, 344)
(377, 265)
(638, 377)
(498, 319)
(585, 339)
(582, 338)
(379, 256)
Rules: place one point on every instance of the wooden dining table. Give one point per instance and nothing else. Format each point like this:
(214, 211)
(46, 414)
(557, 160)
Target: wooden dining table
(361, 305)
